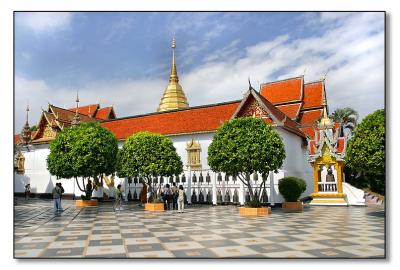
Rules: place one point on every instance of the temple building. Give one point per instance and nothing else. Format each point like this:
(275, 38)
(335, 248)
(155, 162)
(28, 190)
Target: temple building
(292, 106)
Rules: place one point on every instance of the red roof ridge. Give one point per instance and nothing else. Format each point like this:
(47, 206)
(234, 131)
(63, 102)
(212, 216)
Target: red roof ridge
(94, 104)
(317, 81)
(68, 110)
(283, 80)
(173, 111)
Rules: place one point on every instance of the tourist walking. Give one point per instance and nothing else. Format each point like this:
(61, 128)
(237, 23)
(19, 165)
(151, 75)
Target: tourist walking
(181, 199)
(175, 194)
(118, 199)
(61, 193)
(27, 191)
(167, 196)
(56, 196)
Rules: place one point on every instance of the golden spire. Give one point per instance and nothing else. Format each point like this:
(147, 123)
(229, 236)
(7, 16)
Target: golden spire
(325, 122)
(173, 97)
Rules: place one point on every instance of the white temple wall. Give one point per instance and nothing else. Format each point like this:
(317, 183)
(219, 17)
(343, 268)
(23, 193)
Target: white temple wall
(295, 164)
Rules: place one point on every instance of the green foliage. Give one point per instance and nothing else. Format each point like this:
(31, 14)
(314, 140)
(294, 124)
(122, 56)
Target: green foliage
(254, 203)
(86, 197)
(291, 188)
(246, 145)
(87, 150)
(146, 155)
(347, 117)
(365, 154)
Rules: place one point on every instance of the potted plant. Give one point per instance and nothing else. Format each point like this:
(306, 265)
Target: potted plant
(245, 146)
(254, 208)
(86, 151)
(291, 188)
(149, 155)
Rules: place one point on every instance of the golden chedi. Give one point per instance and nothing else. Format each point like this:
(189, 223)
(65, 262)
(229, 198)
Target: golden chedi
(173, 98)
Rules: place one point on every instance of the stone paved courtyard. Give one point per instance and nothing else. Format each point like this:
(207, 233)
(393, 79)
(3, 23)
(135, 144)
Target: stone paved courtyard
(207, 232)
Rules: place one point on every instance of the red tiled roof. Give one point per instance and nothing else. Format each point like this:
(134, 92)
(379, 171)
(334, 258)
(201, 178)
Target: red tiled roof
(88, 110)
(195, 119)
(103, 113)
(291, 110)
(340, 145)
(283, 91)
(17, 138)
(288, 123)
(313, 95)
(309, 131)
(65, 116)
(313, 148)
(309, 117)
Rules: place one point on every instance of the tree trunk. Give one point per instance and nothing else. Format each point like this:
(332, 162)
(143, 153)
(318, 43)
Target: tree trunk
(77, 182)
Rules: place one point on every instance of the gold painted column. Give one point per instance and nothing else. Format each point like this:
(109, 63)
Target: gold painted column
(339, 173)
(316, 177)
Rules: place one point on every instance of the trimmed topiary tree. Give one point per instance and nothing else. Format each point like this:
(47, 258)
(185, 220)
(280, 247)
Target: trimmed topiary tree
(147, 155)
(365, 154)
(244, 146)
(87, 150)
(291, 188)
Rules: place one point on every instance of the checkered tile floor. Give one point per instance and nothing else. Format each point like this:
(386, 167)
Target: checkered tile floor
(207, 232)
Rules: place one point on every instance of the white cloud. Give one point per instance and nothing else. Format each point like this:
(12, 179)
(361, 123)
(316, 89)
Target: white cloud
(352, 53)
(44, 21)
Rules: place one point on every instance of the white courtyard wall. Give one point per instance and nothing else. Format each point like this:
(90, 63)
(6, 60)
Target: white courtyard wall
(295, 164)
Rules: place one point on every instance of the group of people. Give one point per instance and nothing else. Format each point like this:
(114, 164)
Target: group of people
(173, 195)
(58, 190)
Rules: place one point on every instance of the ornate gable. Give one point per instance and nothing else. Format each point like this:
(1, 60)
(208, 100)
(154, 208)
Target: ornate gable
(252, 108)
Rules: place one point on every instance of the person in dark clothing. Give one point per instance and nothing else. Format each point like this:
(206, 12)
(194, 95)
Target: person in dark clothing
(89, 190)
(61, 192)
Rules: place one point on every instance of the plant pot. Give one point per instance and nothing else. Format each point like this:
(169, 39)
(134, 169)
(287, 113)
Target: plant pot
(86, 203)
(249, 211)
(154, 207)
(292, 206)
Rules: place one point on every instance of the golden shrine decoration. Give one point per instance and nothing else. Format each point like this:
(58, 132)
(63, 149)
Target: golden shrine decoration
(20, 163)
(254, 110)
(49, 132)
(193, 151)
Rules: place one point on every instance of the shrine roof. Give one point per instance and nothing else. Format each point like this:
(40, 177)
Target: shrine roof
(309, 131)
(307, 118)
(191, 120)
(65, 116)
(340, 145)
(291, 110)
(88, 110)
(104, 113)
(313, 94)
(288, 123)
(284, 91)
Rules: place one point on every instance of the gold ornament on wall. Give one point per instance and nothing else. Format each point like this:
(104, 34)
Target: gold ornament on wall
(193, 149)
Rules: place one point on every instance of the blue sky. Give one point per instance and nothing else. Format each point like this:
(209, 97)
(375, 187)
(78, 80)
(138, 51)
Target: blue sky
(122, 59)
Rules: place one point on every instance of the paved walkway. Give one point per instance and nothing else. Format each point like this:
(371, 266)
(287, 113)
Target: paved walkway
(208, 232)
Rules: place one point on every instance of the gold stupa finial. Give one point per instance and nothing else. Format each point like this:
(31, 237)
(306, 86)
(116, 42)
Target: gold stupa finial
(174, 97)
(325, 122)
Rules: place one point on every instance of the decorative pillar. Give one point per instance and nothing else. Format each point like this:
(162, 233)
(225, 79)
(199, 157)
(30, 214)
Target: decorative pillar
(189, 188)
(339, 173)
(316, 177)
(214, 189)
(272, 188)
